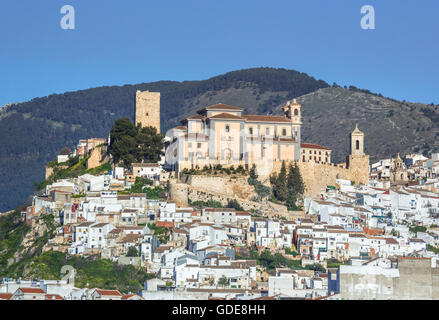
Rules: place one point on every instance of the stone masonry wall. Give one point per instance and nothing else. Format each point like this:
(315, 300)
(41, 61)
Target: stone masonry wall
(317, 176)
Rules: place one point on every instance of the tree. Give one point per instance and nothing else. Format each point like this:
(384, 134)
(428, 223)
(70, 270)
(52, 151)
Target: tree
(297, 181)
(252, 172)
(129, 143)
(233, 203)
(223, 281)
(132, 252)
(150, 144)
(281, 190)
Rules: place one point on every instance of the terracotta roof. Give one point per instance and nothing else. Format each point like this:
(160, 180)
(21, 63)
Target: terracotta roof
(391, 241)
(127, 296)
(264, 118)
(32, 290)
(108, 292)
(54, 297)
(131, 238)
(223, 107)
(313, 146)
(166, 224)
(219, 209)
(180, 127)
(145, 165)
(226, 116)
(5, 296)
(99, 225)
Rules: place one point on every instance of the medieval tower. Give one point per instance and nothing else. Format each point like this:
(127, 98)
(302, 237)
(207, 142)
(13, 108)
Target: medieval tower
(147, 111)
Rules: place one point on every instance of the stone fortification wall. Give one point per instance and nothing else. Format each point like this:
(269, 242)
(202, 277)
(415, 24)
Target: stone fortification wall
(316, 176)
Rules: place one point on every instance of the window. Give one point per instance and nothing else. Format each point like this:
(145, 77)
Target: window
(284, 132)
(296, 112)
(357, 144)
(267, 131)
(199, 145)
(227, 128)
(250, 130)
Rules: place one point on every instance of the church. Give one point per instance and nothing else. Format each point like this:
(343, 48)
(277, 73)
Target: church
(224, 135)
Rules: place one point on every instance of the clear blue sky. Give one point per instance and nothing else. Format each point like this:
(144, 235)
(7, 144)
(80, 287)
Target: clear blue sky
(134, 41)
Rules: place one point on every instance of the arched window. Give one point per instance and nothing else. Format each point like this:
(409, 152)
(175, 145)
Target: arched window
(357, 144)
(296, 112)
(227, 128)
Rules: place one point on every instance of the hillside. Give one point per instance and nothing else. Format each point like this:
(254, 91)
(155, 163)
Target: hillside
(32, 133)
(390, 126)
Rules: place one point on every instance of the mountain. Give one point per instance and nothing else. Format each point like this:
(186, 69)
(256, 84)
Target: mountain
(32, 133)
(390, 126)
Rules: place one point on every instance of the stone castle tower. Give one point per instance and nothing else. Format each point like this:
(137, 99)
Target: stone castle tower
(358, 162)
(147, 111)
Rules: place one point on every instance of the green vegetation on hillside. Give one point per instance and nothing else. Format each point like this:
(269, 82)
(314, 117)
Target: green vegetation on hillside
(32, 133)
(72, 168)
(95, 272)
(288, 188)
(272, 261)
(131, 143)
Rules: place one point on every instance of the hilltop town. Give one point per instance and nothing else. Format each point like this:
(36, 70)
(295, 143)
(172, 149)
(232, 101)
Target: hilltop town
(231, 205)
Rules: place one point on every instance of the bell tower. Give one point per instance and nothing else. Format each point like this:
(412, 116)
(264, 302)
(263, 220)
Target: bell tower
(357, 162)
(357, 141)
(292, 111)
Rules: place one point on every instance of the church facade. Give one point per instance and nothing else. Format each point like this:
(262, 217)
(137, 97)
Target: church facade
(222, 134)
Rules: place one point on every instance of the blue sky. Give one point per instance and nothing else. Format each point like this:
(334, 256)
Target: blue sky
(135, 41)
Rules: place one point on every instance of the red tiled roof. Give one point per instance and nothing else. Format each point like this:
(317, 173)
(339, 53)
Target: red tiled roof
(223, 107)
(127, 296)
(313, 146)
(166, 224)
(32, 290)
(264, 118)
(108, 292)
(5, 296)
(54, 297)
(224, 115)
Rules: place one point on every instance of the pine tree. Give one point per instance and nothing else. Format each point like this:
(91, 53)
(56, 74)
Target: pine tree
(281, 184)
(291, 186)
(298, 185)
